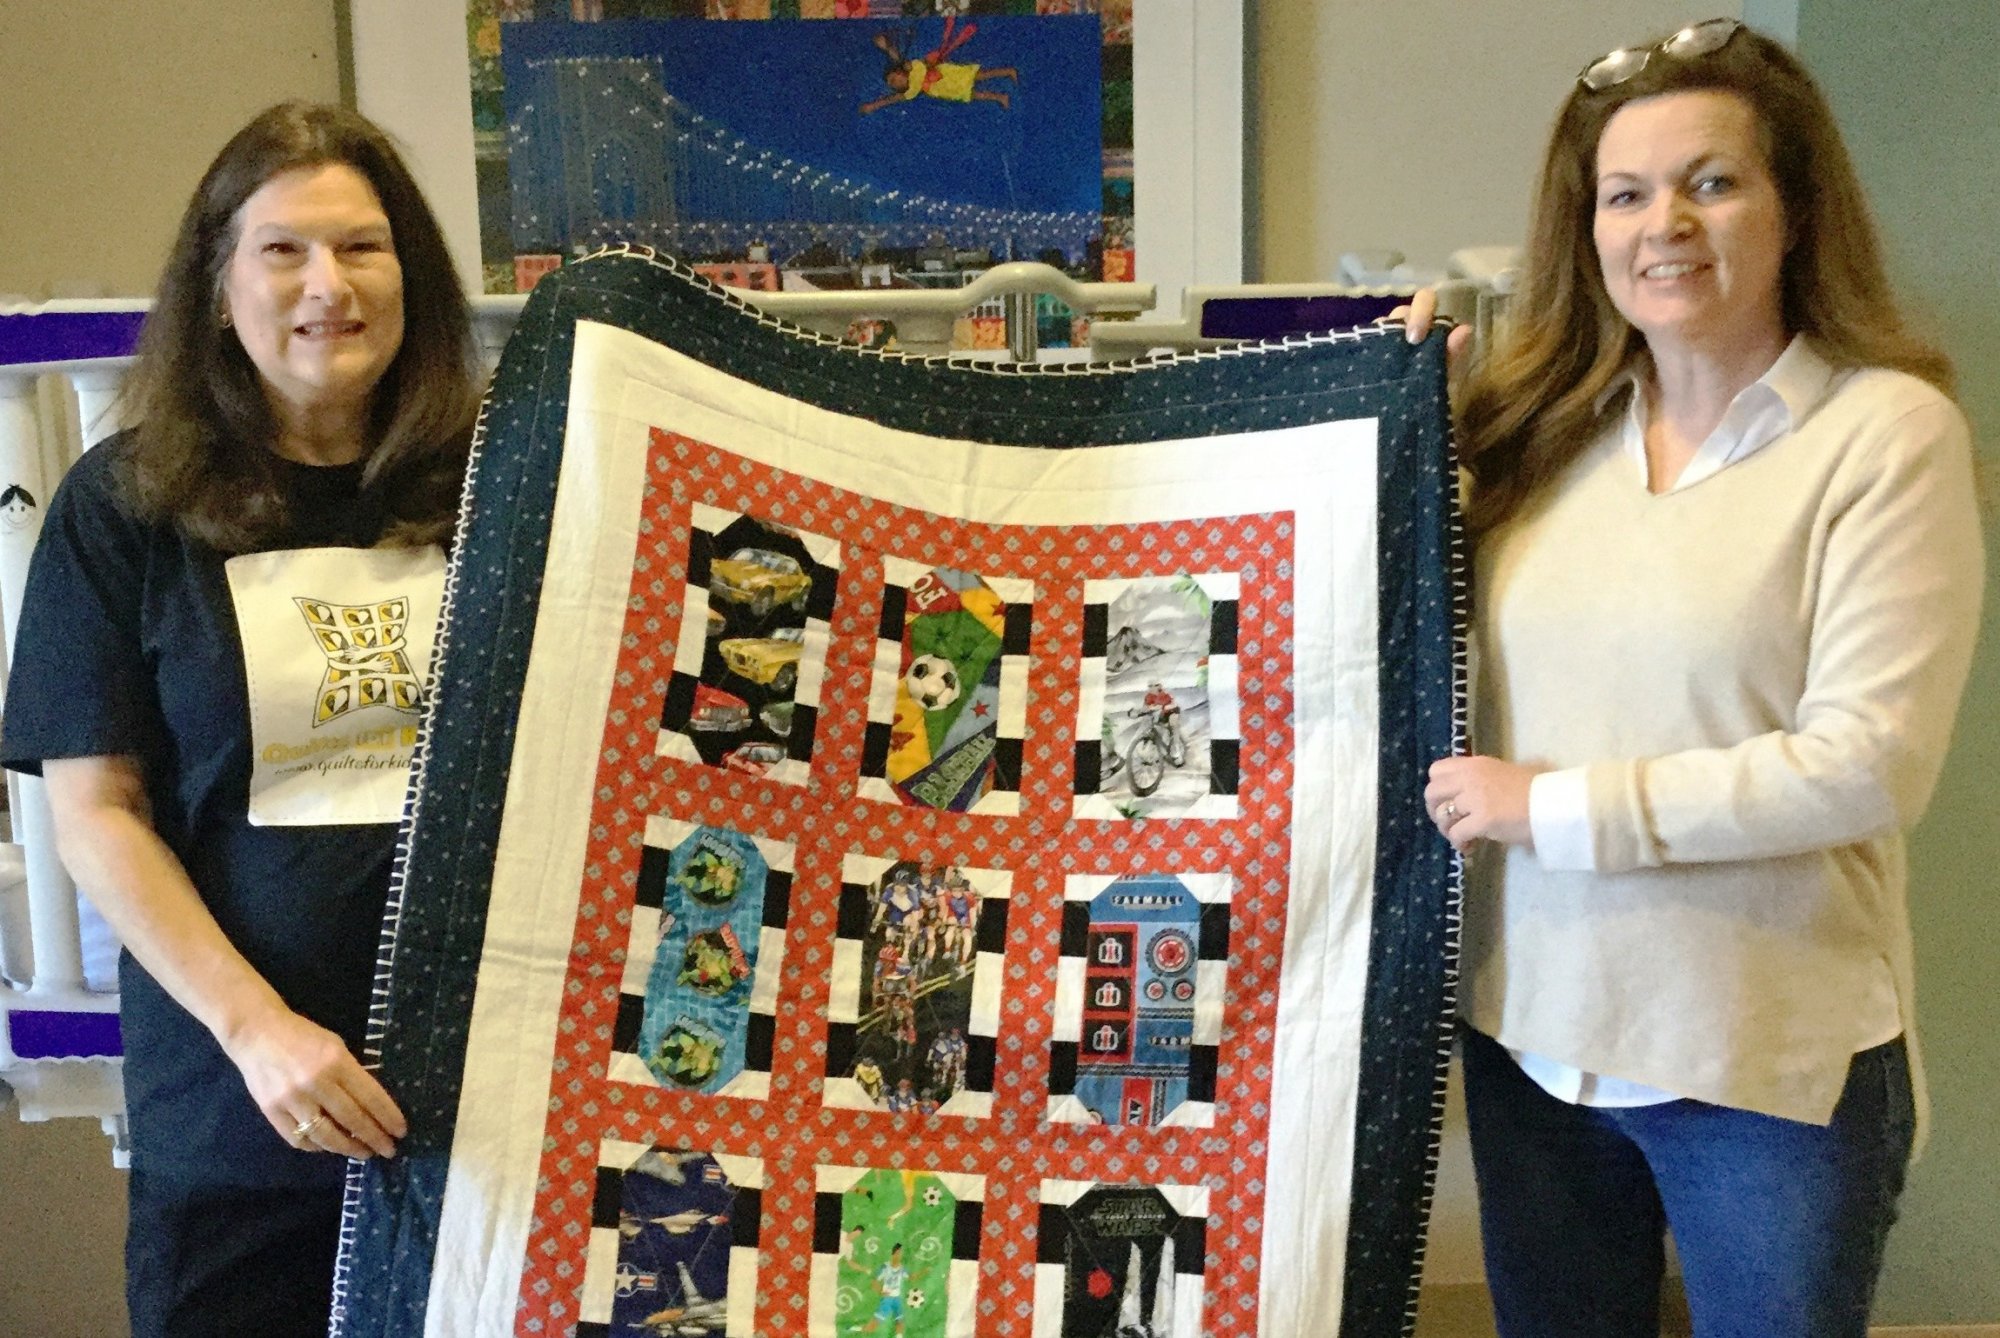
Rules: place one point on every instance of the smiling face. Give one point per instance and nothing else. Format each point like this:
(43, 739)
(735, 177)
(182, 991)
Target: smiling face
(315, 292)
(1689, 228)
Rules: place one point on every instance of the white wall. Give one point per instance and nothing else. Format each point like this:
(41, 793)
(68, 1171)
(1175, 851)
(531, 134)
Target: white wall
(109, 111)
(1416, 124)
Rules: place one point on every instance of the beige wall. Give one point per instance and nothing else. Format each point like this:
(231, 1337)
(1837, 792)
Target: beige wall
(1422, 134)
(109, 111)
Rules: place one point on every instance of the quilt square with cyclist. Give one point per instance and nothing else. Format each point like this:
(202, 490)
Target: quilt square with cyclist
(921, 849)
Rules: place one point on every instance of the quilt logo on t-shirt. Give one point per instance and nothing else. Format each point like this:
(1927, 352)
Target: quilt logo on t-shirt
(366, 662)
(336, 648)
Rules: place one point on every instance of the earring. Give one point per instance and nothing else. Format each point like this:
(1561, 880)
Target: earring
(226, 321)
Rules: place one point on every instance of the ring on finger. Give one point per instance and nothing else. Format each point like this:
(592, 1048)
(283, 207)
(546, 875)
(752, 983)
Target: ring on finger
(1448, 811)
(306, 1127)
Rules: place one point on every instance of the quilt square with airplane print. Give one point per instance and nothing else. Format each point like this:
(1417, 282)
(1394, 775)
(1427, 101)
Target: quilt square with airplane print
(673, 1244)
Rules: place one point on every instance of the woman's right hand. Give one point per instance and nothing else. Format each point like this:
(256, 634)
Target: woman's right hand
(298, 1072)
(1417, 318)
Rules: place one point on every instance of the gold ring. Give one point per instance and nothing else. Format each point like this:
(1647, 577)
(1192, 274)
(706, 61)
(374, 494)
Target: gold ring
(307, 1126)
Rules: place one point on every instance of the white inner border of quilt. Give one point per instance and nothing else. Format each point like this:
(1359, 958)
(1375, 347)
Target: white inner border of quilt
(622, 386)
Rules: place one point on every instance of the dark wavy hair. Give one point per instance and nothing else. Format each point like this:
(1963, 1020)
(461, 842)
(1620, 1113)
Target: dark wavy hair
(1533, 405)
(202, 452)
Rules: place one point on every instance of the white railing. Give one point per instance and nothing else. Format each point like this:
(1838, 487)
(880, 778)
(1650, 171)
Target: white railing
(58, 977)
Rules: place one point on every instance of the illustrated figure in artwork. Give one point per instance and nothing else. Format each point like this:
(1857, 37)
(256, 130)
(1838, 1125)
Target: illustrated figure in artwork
(933, 75)
(893, 1276)
(16, 504)
(946, 1058)
(960, 909)
(890, 1280)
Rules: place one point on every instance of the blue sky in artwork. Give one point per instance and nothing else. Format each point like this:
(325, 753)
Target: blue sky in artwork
(795, 88)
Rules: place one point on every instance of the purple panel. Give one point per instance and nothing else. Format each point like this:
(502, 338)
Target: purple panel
(59, 336)
(52, 1034)
(1276, 317)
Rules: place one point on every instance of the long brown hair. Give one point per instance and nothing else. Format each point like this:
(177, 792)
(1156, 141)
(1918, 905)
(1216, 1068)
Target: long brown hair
(1534, 404)
(201, 454)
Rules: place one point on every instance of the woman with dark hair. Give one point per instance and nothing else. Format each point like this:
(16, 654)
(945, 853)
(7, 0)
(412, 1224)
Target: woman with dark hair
(221, 655)
(1728, 585)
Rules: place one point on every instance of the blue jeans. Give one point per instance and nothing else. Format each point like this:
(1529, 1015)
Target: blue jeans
(1780, 1225)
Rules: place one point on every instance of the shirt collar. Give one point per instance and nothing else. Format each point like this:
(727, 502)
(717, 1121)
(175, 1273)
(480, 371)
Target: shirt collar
(1763, 411)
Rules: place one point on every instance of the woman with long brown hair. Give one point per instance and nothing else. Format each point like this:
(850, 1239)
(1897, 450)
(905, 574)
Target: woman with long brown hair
(1728, 578)
(221, 657)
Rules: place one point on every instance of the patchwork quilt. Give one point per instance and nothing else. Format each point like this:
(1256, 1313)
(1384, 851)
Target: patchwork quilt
(917, 849)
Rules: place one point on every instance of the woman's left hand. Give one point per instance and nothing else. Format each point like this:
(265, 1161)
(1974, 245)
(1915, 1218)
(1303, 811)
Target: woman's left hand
(1480, 798)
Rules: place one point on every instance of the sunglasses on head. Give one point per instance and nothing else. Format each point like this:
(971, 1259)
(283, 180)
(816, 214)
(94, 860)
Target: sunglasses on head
(1697, 39)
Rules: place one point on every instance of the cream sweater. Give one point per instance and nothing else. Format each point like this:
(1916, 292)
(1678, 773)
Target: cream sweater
(1759, 673)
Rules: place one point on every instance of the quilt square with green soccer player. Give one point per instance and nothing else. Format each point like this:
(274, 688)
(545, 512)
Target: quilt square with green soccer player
(895, 1253)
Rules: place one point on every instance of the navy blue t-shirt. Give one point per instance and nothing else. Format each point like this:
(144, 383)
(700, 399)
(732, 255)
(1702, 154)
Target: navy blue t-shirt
(128, 644)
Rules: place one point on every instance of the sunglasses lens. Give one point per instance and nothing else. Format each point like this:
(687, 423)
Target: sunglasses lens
(1614, 69)
(1701, 39)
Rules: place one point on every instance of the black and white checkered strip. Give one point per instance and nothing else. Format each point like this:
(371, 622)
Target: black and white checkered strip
(662, 836)
(1019, 596)
(600, 1274)
(1190, 1247)
(859, 874)
(962, 1281)
(1095, 792)
(1211, 996)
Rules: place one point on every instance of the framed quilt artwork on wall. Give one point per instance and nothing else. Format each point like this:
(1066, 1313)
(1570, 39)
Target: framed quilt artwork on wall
(903, 848)
(821, 144)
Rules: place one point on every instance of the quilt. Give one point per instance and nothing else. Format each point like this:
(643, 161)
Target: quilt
(922, 849)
